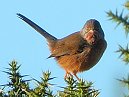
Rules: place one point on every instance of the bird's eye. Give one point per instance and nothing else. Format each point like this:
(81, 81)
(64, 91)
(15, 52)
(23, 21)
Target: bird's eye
(96, 28)
(88, 29)
(96, 36)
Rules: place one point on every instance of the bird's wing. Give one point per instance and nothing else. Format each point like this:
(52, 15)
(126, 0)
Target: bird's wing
(72, 44)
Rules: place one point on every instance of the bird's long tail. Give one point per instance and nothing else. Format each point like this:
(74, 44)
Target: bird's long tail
(48, 36)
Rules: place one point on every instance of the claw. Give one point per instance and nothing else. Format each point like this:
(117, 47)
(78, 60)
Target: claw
(67, 74)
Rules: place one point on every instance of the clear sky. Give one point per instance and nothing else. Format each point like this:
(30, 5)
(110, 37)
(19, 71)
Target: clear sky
(60, 18)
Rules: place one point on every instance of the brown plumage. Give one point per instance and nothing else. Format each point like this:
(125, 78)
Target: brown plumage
(76, 52)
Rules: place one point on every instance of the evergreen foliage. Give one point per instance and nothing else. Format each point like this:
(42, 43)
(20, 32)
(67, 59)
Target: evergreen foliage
(120, 18)
(17, 86)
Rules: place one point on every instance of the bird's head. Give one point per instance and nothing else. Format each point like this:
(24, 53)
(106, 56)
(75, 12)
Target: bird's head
(92, 31)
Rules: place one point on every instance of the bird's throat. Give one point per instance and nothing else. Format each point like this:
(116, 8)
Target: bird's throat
(90, 37)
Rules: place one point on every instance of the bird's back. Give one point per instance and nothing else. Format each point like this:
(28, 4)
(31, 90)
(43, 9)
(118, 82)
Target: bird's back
(68, 45)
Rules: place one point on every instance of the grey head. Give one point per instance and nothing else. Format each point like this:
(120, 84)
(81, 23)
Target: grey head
(93, 27)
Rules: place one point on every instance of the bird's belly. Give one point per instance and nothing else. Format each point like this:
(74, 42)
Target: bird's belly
(79, 63)
(69, 63)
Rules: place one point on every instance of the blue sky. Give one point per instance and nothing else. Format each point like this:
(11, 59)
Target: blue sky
(60, 18)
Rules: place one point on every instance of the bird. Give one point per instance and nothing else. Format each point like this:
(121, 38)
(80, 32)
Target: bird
(77, 52)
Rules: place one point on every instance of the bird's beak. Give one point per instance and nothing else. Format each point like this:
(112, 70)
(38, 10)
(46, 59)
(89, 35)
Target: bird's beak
(92, 31)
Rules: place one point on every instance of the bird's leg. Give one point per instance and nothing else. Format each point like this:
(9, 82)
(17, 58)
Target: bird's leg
(67, 74)
(75, 74)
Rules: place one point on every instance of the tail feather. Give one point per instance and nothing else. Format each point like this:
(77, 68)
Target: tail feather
(48, 36)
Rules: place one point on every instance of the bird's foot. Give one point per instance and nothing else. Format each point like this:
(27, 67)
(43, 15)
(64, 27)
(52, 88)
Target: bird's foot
(68, 74)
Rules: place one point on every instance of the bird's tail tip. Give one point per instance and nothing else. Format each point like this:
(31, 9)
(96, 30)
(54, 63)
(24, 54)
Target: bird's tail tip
(20, 15)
